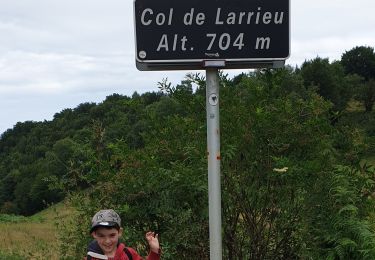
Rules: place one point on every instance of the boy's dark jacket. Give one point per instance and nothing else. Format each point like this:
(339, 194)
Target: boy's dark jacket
(122, 252)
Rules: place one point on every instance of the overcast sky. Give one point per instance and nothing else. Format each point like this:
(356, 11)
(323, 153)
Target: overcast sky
(56, 54)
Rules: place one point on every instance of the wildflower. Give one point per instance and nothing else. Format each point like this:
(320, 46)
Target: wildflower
(280, 170)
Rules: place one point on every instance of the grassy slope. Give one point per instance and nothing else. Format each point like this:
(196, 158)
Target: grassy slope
(32, 238)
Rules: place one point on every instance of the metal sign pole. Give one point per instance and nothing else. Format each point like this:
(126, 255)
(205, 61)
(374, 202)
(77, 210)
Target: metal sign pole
(213, 149)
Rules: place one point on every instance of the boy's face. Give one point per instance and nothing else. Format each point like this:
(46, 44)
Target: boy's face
(107, 239)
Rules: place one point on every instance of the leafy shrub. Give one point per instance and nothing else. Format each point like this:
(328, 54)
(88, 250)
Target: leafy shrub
(289, 191)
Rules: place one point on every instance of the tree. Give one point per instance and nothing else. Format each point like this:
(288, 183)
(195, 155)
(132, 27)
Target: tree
(361, 61)
(330, 80)
(292, 184)
(282, 188)
(366, 93)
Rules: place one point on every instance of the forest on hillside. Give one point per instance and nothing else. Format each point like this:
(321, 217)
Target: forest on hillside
(298, 178)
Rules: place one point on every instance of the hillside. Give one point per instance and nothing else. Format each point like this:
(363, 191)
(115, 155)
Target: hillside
(294, 181)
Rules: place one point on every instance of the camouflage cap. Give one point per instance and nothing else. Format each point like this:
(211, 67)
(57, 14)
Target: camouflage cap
(105, 218)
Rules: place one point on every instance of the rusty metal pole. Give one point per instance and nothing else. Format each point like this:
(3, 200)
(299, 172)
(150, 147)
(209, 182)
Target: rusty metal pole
(213, 148)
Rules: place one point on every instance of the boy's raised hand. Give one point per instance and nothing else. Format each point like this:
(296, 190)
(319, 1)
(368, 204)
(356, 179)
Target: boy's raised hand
(153, 241)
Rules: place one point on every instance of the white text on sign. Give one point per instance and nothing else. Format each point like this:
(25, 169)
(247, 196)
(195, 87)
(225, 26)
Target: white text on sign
(150, 17)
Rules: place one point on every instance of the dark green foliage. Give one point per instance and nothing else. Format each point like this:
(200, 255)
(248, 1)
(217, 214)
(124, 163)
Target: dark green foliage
(330, 81)
(33, 154)
(294, 185)
(286, 193)
(340, 227)
(361, 61)
(366, 94)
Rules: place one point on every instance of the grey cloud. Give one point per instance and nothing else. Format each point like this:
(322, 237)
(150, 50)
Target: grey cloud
(56, 54)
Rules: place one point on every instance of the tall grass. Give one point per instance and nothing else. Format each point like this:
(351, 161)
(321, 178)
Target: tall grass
(31, 237)
(34, 240)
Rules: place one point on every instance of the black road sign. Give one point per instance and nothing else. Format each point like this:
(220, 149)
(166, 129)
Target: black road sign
(173, 34)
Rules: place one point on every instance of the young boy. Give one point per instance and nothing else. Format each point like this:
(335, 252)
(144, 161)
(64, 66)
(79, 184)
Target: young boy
(106, 231)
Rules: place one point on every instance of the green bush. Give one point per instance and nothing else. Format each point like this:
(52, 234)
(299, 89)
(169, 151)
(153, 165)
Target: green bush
(290, 190)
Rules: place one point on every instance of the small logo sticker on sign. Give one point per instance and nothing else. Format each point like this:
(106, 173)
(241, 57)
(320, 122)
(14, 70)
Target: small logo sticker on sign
(213, 99)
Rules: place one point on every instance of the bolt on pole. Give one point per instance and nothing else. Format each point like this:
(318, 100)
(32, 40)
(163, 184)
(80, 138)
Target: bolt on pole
(214, 157)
